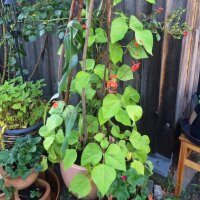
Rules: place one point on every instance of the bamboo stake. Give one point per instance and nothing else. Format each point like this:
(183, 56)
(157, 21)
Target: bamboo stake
(107, 62)
(84, 69)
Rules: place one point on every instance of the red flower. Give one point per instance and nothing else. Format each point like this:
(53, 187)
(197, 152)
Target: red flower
(160, 10)
(55, 104)
(124, 178)
(135, 66)
(113, 76)
(185, 33)
(112, 84)
(83, 26)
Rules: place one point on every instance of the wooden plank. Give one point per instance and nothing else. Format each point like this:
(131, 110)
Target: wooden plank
(192, 164)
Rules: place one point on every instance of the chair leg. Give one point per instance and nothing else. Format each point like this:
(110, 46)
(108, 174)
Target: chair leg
(180, 171)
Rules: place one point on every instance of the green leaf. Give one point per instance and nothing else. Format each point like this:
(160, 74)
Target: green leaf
(116, 2)
(80, 185)
(12, 61)
(16, 106)
(48, 142)
(101, 117)
(119, 29)
(135, 24)
(99, 71)
(103, 176)
(70, 158)
(135, 51)
(123, 118)
(99, 136)
(67, 111)
(44, 163)
(32, 38)
(57, 110)
(92, 154)
(54, 121)
(59, 137)
(82, 80)
(73, 138)
(115, 158)
(91, 40)
(92, 124)
(69, 123)
(116, 53)
(89, 93)
(116, 132)
(151, 1)
(130, 97)
(145, 38)
(134, 112)
(104, 144)
(111, 106)
(125, 73)
(138, 166)
(100, 36)
(90, 63)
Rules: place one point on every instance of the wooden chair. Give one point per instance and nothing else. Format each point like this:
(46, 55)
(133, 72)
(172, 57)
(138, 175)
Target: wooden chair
(186, 148)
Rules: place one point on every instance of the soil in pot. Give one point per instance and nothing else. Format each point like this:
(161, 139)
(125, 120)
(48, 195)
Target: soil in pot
(40, 190)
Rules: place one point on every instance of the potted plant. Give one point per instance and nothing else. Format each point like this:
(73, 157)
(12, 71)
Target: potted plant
(40, 190)
(21, 164)
(21, 109)
(97, 140)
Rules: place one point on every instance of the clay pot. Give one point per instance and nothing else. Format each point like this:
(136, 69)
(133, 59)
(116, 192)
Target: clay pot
(19, 183)
(2, 196)
(40, 183)
(69, 174)
(51, 177)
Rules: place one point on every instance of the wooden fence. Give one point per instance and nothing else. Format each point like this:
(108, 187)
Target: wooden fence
(166, 81)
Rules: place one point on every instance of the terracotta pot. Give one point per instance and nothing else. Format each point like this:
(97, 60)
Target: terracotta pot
(51, 177)
(40, 183)
(69, 174)
(2, 196)
(19, 183)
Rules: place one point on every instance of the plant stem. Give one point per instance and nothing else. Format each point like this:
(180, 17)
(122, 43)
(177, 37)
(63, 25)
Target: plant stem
(61, 60)
(84, 69)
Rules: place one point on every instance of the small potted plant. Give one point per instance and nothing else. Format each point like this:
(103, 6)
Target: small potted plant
(39, 190)
(21, 109)
(21, 164)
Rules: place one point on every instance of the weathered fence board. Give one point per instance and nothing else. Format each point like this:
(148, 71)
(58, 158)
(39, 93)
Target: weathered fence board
(165, 84)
